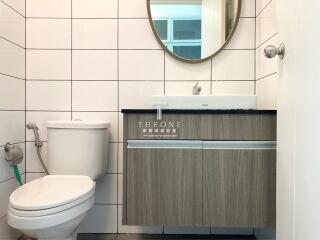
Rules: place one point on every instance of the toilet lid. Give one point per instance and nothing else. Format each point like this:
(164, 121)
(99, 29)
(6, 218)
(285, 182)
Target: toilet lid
(50, 191)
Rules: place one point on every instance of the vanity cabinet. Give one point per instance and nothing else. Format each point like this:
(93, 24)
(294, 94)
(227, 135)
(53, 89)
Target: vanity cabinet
(206, 168)
(239, 188)
(164, 187)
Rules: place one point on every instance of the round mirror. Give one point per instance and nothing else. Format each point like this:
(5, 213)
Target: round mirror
(193, 30)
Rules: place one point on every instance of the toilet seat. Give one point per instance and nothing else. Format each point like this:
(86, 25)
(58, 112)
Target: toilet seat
(50, 201)
(44, 212)
(51, 220)
(52, 191)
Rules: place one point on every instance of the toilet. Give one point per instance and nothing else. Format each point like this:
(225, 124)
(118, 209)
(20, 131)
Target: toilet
(52, 207)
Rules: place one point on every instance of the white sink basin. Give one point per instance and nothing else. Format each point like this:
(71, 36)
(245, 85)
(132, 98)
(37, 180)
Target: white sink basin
(205, 102)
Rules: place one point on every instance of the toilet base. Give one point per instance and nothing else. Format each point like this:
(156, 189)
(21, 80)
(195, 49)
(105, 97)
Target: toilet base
(65, 231)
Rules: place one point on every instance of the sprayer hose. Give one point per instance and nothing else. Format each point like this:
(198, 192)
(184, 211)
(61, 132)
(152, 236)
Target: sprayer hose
(41, 160)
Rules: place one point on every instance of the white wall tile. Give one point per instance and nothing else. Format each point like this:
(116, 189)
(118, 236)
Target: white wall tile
(136, 34)
(33, 163)
(120, 188)
(233, 65)
(6, 232)
(138, 94)
(49, 8)
(176, 70)
(49, 64)
(267, 92)
(141, 65)
(48, 95)
(113, 158)
(266, 24)
(185, 87)
(40, 118)
(94, 33)
(106, 189)
(12, 25)
(100, 219)
(11, 127)
(94, 96)
(12, 61)
(120, 127)
(111, 117)
(94, 8)
(133, 9)
(120, 158)
(6, 188)
(17, 5)
(243, 37)
(266, 66)
(33, 176)
(12, 92)
(233, 87)
(186, 230)
(248, 8)
(136, 229)
(49, 33)
(94, 65)
(260, 4)
(6, 172)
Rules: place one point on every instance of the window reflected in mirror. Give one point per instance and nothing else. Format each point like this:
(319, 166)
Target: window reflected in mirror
(193, 30)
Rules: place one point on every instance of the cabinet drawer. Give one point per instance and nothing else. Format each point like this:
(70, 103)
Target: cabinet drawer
(172, 126)
(240, 127)
(203, 126)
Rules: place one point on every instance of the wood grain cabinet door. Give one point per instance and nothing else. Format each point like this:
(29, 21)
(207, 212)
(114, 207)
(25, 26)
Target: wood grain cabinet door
(239, 187)
(164, 187)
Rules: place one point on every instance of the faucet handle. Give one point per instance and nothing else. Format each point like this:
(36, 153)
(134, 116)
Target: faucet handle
(196, 89)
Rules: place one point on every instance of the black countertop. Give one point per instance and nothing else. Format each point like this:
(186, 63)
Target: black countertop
(201, 111)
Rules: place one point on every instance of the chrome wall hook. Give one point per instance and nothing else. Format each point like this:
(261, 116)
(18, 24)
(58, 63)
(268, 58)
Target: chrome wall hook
(271, 51)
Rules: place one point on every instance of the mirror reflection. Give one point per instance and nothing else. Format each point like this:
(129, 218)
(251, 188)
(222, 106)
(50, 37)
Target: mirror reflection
(193, 29)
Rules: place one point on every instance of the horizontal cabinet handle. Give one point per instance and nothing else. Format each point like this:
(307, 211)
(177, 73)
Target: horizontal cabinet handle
(239, 145)
(165, 144)
(199, 144)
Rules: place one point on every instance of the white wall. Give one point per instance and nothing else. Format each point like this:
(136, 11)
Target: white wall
(266, 69)
(93, 58)
(12, 99)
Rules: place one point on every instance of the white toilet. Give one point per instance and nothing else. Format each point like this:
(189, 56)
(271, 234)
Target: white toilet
(53, 206)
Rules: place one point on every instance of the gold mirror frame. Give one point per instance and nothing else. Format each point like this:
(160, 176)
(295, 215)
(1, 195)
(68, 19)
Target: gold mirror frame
(199, 60)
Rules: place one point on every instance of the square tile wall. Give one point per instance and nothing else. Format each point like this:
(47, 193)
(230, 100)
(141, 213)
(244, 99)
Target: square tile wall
(12, 100)
(266, 69)
(89, 59)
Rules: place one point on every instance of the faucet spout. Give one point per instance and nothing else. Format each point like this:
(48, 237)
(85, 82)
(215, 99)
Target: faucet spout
(159, 106)
(196, 89)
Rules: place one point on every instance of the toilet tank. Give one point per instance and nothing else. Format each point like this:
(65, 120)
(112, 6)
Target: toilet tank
(78, 148)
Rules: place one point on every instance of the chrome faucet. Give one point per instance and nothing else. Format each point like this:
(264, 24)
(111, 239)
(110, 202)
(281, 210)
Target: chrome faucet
(196, 89)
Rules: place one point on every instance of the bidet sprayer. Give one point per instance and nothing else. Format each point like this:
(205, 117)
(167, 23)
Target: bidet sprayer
(35, 129)
(38, 143)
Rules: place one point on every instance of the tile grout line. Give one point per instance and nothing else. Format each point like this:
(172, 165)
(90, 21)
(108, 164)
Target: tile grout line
(118, 115)
(25, 91)
(12, 8)
(255, 47)
(12, 42)
(71, 71)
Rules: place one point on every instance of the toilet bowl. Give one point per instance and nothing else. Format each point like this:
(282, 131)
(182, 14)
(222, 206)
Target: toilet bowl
(51, 207)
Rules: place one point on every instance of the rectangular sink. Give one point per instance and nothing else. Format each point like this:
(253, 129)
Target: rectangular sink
(205, 102)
